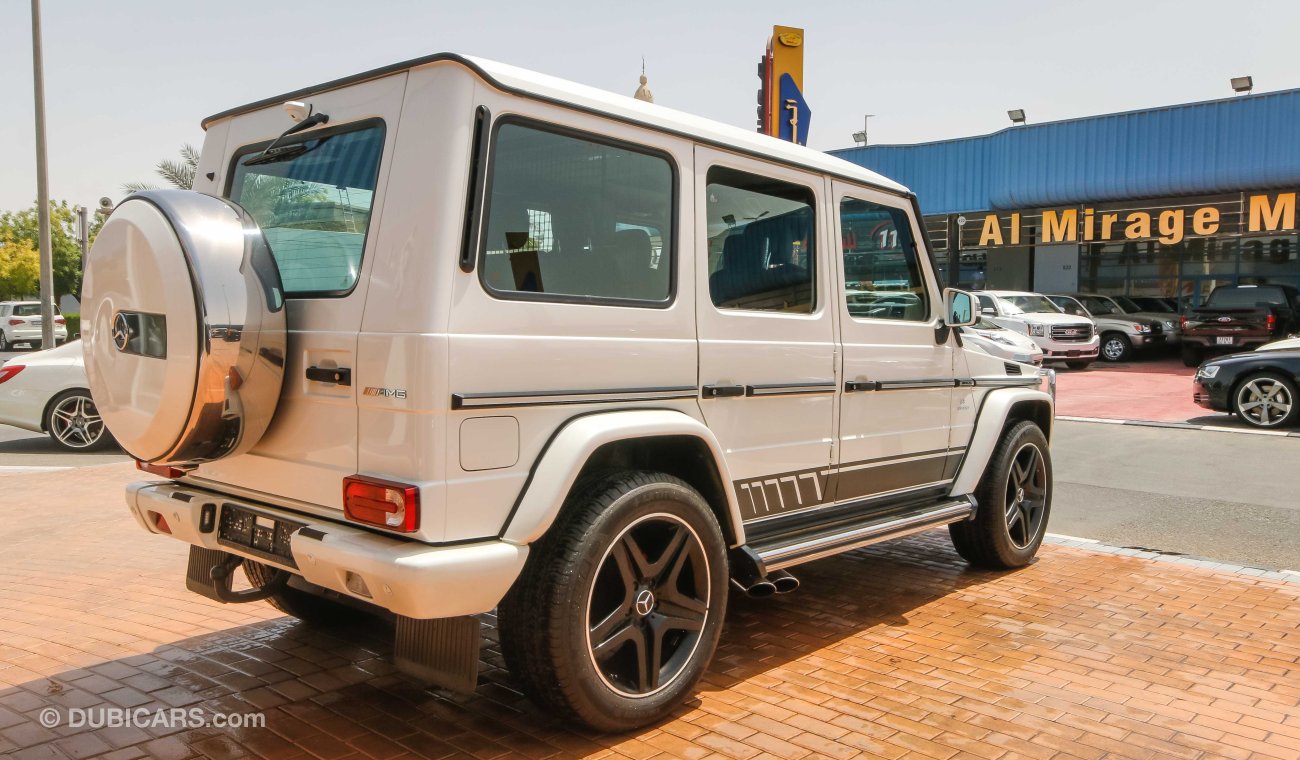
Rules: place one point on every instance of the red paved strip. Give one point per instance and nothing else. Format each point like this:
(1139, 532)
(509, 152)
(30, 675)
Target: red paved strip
(1158, 390)
(895, 651)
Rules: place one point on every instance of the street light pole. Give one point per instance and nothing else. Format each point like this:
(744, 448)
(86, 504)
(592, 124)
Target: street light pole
(42, 186)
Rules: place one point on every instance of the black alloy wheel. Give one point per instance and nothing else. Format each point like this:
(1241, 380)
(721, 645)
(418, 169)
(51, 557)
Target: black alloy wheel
(1026, 495)
(647, 605)
(620, 605)
(1014, 500)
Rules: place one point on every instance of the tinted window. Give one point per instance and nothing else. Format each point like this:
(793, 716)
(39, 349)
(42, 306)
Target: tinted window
(577, 219)
(28, 310)
(1236, 298)
(1069, 305)
(882, 277)
(987, 304)
(1099, 306)
(761, 243)
(313, 199)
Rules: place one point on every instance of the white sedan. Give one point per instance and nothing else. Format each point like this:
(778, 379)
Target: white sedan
(47, 392)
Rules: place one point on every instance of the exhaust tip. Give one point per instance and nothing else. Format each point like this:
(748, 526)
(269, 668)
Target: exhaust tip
(783, 582)
(761, 590)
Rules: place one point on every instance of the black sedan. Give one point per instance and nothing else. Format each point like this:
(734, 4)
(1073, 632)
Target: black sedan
(1259, 386)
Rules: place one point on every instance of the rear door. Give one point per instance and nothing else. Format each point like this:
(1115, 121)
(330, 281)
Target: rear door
(766, 330)
(317, 197)
(899, 385)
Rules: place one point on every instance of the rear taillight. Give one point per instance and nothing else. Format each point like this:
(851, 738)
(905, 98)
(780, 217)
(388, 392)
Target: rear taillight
(1271, 321)
(160, 523)
(9, 370)
(159, 469)
(60, 321)
(1182, 321)
(382, 503)
(17, 321)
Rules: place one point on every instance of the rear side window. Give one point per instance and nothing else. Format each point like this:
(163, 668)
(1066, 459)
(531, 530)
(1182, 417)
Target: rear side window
(761, 243)
(574, 218)
(313, 199)
(882, 276)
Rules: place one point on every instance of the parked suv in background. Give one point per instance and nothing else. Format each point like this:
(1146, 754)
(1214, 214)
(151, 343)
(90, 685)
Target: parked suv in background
(1121, 334)
(1239, 316)
(1063, 337)
(20, 322)
(600, 362)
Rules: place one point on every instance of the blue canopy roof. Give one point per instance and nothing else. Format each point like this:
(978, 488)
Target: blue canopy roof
(1250, 142)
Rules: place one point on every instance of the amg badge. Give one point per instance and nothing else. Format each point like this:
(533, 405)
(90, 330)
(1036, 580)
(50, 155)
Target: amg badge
(386, 392)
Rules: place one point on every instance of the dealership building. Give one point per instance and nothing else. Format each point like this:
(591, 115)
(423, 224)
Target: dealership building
(1167, 202)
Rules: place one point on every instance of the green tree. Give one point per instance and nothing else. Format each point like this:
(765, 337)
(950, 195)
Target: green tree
(179, 174)
(23, 226)
(20, 268)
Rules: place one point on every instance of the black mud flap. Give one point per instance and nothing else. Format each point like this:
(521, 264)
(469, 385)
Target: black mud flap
(442, 652)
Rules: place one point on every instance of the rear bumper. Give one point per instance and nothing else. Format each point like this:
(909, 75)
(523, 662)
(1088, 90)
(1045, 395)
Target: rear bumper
(407, 577)
(1238, 341)
(24, 333)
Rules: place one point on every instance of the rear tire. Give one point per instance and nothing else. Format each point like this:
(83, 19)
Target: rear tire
(4, 341)
(1079, 365)
(1116, 347)
(1015, 501)
(635, 563)
(1192, 355)
(307, 607)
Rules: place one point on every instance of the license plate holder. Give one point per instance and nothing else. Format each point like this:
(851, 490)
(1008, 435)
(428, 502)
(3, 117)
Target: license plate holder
(256, 533)
(1225, 340)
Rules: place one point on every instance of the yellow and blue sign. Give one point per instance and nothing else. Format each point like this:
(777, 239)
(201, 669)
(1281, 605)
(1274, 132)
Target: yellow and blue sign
(783, 112)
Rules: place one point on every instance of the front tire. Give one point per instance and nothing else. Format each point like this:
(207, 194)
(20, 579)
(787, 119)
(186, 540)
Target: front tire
(1191, 354)
(1116, 347)
(619, 607)
(73, 422)
(1079, 365)
(1266, 400)
(1014, 501)
(4, 341)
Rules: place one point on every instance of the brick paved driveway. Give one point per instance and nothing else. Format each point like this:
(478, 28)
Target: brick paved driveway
(894, 651)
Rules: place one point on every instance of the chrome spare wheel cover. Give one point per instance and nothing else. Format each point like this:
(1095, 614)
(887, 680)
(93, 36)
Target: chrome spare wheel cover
(184, 327)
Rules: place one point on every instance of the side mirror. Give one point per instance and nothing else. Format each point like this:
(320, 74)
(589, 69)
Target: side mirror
(958, 308)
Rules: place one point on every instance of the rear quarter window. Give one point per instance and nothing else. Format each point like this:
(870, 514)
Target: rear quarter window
(313, 197)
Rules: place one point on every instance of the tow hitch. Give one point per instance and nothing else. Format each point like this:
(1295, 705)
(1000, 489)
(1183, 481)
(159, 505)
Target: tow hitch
(212, 573)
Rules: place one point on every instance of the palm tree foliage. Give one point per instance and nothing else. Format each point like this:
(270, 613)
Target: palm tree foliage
(179, 174)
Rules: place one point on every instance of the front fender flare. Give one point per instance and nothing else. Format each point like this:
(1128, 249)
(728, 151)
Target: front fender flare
(994, 410)
(561, 461)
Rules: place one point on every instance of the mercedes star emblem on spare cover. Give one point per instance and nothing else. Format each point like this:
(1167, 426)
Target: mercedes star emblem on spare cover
(121, 331)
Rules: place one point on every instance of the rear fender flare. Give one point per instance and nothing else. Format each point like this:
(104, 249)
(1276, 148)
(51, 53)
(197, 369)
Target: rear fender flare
(561, 461)
(995, 410)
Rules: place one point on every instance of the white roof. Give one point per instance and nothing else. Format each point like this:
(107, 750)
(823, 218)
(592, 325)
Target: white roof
(617, 106)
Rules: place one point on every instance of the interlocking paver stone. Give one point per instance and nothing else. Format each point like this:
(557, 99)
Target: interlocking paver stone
(899, 650)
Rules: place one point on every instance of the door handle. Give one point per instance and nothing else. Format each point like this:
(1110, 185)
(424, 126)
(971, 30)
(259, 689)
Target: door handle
(722, 391)
(331, 375)
(853, 386)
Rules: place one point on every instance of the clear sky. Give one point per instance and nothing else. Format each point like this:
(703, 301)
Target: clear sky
(127, 82)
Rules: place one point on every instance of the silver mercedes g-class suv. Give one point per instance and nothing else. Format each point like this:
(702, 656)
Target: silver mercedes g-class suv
(450, 336)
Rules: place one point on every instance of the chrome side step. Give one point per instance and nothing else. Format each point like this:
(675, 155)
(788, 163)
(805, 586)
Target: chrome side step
(777, 555)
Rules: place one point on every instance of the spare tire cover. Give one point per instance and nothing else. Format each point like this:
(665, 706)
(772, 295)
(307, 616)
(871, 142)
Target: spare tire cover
(183, 324)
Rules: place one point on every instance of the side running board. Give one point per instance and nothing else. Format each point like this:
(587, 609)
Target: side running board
(778, 551)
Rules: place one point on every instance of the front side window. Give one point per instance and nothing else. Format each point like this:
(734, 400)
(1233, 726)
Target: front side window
(574, 219)
(987, 305)
(761, 243)
(882, 275)
(313, 198)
